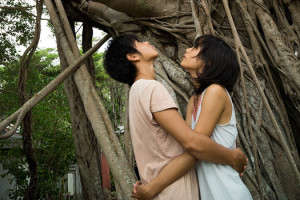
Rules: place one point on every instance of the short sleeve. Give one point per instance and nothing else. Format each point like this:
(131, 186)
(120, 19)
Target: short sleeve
(156, 98)
(161, 99)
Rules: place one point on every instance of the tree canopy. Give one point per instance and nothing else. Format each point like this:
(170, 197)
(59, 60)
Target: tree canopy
(16, 27)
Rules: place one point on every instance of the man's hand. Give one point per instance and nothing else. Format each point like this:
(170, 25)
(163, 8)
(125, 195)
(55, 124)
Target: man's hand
(240, 161)
(140, 192)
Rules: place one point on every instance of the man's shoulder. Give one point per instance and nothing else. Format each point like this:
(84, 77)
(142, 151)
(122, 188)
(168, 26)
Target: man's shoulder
(144, 85)
(145, 82)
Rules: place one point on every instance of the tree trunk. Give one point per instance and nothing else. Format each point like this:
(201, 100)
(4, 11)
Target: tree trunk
(127, 137)
(266, 37)
(87, 154)
(92, 104)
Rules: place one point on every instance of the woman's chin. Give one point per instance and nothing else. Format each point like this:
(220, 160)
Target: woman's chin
(182, 65)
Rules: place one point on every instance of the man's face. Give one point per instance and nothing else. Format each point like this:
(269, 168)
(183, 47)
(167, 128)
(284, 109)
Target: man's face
(147, 51)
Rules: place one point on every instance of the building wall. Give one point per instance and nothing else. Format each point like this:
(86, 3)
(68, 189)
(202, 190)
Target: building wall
(5, 184)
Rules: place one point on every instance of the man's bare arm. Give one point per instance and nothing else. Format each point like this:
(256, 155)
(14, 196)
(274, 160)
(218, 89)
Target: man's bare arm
(199, 145)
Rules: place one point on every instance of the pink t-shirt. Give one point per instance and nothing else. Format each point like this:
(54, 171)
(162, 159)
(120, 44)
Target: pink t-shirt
(153, 147)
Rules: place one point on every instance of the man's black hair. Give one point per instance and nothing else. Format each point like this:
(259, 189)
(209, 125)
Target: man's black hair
(220, 63)
(116, 63)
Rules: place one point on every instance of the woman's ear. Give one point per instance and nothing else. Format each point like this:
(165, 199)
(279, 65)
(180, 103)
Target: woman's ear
(133, 57)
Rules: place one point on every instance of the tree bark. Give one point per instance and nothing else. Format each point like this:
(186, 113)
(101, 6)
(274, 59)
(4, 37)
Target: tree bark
(86, 146)
(269, 85)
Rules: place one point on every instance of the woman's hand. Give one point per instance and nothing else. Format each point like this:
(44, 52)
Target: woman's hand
(241, 160)
(141, 192)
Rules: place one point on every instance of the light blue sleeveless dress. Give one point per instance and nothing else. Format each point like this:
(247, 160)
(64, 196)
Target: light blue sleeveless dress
(220, 182)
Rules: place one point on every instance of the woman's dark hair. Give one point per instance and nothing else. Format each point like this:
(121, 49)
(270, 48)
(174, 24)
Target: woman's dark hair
(116, 63)
(220, 64)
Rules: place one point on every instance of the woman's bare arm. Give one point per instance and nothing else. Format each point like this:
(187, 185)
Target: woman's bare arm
(170, 173)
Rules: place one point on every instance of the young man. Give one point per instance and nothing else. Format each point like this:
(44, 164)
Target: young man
(159, 134)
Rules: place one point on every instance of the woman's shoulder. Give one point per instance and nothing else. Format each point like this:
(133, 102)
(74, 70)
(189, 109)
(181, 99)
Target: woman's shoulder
(216, 87)
(216, 91)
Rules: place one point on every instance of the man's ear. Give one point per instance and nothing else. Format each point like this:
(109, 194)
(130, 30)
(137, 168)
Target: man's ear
(133, 57)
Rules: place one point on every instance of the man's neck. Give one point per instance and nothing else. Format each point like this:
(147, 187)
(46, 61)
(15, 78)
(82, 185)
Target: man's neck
(145, 71)
(143, 77)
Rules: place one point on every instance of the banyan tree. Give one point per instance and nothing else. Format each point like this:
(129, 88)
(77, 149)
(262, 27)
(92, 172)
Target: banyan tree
(265, 35)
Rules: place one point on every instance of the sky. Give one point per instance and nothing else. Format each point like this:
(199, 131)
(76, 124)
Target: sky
(48, 40)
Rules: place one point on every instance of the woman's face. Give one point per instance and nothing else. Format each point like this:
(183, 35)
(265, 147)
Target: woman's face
(190, 61)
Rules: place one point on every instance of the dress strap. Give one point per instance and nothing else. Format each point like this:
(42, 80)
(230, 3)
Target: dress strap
(229, 96)
(196, 109)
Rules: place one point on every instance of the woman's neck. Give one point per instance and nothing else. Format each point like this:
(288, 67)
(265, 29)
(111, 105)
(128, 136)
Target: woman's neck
(194, 78)
(195, 83)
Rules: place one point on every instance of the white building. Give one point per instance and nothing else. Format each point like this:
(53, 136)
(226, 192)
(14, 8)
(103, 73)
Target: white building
(8, 182)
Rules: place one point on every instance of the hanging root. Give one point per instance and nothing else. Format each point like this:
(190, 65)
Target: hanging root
(240, 47)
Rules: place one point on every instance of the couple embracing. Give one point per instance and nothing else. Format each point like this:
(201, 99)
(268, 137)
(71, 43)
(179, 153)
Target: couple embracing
(178, 159)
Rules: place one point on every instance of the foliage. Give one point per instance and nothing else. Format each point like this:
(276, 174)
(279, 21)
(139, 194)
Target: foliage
(16, 27)
(51, 131)
(52, 138)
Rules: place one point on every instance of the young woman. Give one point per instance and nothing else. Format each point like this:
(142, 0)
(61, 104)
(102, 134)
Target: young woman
(214, 69)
